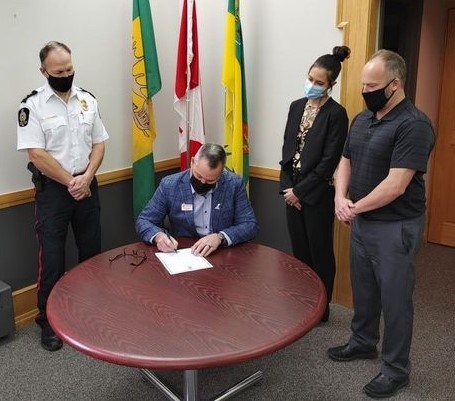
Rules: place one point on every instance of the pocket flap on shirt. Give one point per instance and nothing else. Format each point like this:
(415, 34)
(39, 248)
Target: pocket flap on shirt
(52, 122)
(88, 117)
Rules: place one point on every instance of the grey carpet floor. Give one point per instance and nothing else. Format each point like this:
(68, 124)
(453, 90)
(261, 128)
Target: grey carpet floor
(301, 371)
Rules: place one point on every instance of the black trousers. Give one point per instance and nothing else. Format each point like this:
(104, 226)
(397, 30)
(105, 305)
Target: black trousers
(311, 233)
(55, 210)
(382, 279)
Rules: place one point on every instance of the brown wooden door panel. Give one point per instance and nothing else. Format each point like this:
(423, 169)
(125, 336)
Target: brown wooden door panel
(441, 228)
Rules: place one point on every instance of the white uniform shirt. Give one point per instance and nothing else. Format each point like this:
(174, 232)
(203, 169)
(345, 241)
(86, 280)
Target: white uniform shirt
(67, 131)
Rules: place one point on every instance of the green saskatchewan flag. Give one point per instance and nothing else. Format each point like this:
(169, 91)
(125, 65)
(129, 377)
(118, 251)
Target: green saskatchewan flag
(146, 83)
(235, 113)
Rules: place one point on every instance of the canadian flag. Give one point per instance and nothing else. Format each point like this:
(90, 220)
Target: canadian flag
(188, 94)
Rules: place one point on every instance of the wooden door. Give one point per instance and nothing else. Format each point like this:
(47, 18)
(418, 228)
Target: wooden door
(441, 227)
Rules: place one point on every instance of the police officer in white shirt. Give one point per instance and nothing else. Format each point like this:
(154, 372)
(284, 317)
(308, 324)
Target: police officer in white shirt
(60, 127)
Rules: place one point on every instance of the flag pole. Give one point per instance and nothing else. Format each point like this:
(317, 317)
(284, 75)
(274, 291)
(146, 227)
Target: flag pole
(189, 33)
(187, 120)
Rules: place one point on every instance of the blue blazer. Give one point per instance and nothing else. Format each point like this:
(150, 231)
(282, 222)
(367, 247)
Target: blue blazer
(231, 211)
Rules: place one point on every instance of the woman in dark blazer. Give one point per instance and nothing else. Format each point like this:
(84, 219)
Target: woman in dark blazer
(315, 133)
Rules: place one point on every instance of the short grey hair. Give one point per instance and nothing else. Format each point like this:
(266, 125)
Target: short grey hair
(53, 45)
(214, 154)
(394, 63)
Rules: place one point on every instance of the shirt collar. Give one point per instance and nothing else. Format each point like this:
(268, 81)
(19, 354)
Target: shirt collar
(398, 109)
(48, 92)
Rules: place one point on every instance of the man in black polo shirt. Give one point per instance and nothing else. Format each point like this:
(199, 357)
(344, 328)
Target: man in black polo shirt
(382, 167)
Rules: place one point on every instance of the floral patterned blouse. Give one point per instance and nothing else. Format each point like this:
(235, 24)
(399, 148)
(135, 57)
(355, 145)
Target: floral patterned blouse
(308, 116)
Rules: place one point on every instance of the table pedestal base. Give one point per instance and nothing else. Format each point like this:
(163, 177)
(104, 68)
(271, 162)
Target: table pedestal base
(191, 386)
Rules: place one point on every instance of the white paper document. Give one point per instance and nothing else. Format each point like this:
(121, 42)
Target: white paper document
(182, 261)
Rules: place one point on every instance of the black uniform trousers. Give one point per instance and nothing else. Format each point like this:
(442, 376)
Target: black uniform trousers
(55, 210)
(311, 233)
(382, 279)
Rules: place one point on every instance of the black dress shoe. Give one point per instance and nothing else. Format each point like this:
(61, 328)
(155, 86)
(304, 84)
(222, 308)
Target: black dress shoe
(383, 386)
(345, 353)
(49, 340)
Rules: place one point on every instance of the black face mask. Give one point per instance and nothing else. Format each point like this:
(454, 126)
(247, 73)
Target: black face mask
(200, 187)
(60, 84)
(376, 100)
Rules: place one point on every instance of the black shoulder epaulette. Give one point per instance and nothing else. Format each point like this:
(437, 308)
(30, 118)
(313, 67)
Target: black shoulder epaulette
(90, 93)
(33, 93)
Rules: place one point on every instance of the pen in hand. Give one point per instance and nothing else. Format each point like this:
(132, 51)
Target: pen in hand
(170, 239)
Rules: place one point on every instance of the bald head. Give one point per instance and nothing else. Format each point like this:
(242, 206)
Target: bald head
(384, 74)
(394, 64)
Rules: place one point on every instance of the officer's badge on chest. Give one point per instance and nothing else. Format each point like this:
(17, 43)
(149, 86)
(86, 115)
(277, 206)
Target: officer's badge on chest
(84, 105)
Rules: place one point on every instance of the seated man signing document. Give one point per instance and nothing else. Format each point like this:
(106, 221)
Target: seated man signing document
(204, 201)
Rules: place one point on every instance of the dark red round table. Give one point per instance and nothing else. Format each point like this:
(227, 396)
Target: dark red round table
(123, 307)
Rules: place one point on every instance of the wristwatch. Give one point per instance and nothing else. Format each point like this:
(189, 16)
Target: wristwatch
(222, 239)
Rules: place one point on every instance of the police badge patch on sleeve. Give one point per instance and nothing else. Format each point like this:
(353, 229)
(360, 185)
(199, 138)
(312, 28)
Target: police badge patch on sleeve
(22, 117)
